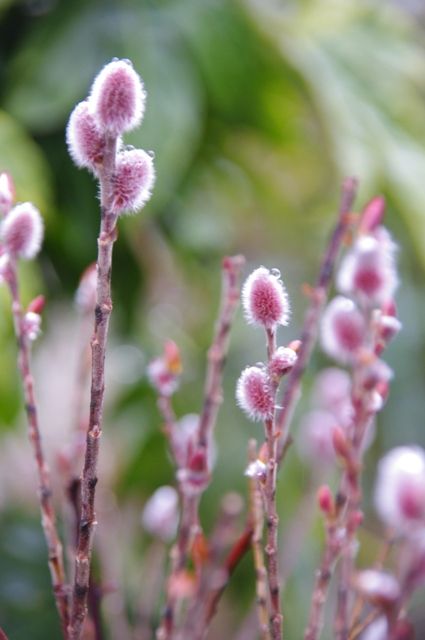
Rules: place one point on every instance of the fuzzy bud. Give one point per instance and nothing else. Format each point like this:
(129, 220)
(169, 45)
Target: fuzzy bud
(368, 271)
(117, 98)
(86, 143)
(254, 395)
(31, 325)
(264, 299)
(7, 193)
(282, 361)
(343, 330)
(22, 231)
(378, 587)
(133, 180)
(160, 515)
(400, 489)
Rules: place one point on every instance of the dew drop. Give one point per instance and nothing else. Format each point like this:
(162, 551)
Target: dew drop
(151, 154)
(275, 273)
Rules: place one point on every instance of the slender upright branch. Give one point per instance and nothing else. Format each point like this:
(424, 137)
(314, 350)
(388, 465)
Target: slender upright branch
(311, 320)
(107, 237)
(217, 353)
(48, 517)
(195, 478)
(257, 517)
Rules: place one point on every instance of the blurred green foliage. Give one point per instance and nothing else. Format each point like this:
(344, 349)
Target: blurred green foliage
(256, 109)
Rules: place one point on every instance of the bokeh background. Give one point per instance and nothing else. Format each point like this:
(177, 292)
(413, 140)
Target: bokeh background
(256, 110)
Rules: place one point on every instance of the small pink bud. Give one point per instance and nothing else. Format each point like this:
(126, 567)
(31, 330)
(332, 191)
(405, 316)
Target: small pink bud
(22, 231)
(7, 193)
(164, 371)
(253, 394)
(343, 330)
(160, 515)
(264, 299)
(86, 143)
(372, 214)
(340, 443)
(377, 630)
(325, 500)
(400, 489)
(37, 305)
(368, 271)
(196, 476)
(133, 180)
(85, 296)
(117, 98)
(282, 361)
(32, 325)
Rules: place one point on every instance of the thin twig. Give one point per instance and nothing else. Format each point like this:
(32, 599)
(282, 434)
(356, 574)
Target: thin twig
(257, 516)
(48, 517)
(107, 237)
(311, 321)
(217, 353)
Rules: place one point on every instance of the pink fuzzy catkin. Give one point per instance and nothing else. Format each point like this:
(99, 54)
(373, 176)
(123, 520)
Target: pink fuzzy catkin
(86, 143)
(254, 395)
(117, 98)
(343, 330)
(400, 489)
(264, 299)
(133, 180)
(22, 231)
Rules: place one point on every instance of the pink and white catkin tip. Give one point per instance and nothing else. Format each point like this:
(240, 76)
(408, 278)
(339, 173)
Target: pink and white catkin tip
(343, 330)
(368, 271)
(86, 143)
(133, 180)
(117, 98)
(22, 231)
(265, 299)
(400, 489)
(254, 395)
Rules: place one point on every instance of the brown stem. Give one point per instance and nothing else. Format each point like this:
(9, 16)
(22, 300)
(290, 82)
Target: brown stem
(311, 321)
(257, 517)
(217, 353)
(48, 517)
(107, 237)
(272, 522)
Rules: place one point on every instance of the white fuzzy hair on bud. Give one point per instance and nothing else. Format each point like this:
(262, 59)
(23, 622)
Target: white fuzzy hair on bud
(400, 489)
(117, 98)
(253, 394)
(22, 231)
(264, 299)
(343, 330)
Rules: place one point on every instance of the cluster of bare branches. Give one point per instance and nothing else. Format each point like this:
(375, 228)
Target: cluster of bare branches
(354, 328)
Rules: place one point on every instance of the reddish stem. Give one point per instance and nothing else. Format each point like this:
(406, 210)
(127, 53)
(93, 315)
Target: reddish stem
(107, 237)
(48, 517)
(311, 321)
